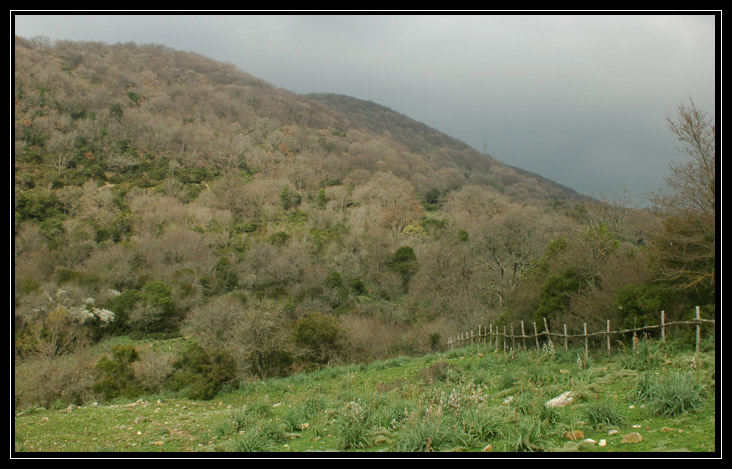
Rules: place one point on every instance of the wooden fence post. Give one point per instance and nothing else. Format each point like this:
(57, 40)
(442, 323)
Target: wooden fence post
(663, 326)
(513, 339)
(566, 338)
(536, 336)
(523, 335)
(587, 347)
(608, 337)
(698, 328)
(546, 329)
(504, 339)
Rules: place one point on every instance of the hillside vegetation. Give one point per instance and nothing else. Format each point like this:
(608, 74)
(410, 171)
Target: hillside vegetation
(162, 197)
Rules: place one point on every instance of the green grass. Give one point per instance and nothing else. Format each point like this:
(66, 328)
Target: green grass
(463, 400)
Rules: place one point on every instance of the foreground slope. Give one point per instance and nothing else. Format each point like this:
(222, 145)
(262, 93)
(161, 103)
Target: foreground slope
(474, 399)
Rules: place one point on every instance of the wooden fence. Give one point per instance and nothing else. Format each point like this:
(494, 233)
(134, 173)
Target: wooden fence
(494, 337)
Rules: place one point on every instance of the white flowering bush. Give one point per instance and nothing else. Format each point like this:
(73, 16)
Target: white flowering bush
(60, 322)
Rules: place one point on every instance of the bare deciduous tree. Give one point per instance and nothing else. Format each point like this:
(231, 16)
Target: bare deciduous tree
(685, 246)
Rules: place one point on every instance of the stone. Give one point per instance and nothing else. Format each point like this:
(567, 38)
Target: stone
(613, 432)
(488, 449)
(574, 435)
(562, 400)
(602, 443)
(632, 438)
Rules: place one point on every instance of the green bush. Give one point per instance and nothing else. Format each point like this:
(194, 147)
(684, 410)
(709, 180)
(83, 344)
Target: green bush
(119, 376)
(279, 239)
(320, 335)
(334, 280)
(271, 363)
(201, 373)
(160, 311)
(122, 305)
(35, 205)
(404, 262)
(641, 305)
(556, 293)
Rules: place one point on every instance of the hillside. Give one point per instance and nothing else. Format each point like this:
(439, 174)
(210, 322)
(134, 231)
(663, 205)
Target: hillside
(160, 194)
(440, 148)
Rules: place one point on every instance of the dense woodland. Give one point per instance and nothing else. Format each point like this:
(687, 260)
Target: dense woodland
(159, 194)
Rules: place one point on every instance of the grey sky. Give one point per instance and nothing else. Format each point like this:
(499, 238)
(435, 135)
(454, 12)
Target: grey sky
(581, 100)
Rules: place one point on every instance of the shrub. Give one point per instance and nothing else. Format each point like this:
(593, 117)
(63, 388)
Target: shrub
(279, 239)
(36, 205)
(556, 293)
(155, 311)
(334, 280)
(122, 305)
(434, 341)
(358, 286)
(320, 334)
(119, 376)
(271, 363)
(404, 263)
(438, 372)
(639, 305)
(201, 373)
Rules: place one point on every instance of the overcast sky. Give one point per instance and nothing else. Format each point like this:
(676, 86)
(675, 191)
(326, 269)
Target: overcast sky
(581, 100)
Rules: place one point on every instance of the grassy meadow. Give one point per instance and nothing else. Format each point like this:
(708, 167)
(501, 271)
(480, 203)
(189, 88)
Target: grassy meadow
(658, 398)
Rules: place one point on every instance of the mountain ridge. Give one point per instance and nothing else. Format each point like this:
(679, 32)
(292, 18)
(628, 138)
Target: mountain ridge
(403, 129)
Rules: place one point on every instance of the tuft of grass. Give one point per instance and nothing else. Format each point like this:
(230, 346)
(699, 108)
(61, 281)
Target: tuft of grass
(603, 412)
(508, 379)
(482, 426)
(255, 439)
(529, 435)
(676, 393)
(430, 433)
(352, 427)
(646, 356)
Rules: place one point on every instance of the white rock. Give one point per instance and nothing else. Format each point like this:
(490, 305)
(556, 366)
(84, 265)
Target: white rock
(562, 400)
(603, 443)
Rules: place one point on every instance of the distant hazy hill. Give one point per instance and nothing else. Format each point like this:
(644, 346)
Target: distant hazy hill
(415, 135)
(421, 138)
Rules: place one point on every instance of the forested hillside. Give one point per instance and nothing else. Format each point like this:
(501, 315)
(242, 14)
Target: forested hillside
(160, 194)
